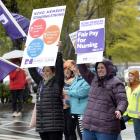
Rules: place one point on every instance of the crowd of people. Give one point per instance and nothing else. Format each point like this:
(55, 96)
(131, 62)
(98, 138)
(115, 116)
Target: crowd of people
(70, 97)
(73, 98)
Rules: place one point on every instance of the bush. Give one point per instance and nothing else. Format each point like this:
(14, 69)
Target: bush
(4, 90)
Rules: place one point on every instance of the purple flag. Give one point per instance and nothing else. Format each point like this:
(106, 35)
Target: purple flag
(15, 25)
(22, 21)
(5, 68)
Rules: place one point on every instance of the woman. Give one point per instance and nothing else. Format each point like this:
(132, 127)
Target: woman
(106, 102)
(69, 129)
(133, 95)
(49, 104)
(17, 87)
(78, 95)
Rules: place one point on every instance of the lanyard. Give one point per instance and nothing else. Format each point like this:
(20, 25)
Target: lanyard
(40, 90)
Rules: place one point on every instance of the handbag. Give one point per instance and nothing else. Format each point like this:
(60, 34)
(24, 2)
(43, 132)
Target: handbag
(122, 124)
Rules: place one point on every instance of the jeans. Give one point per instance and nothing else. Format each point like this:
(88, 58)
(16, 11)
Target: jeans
(136, 123)
(119, 137)
(93, 135)
(136, 128)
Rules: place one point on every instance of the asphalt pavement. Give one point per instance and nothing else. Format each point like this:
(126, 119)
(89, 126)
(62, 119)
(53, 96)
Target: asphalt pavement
(16, 128)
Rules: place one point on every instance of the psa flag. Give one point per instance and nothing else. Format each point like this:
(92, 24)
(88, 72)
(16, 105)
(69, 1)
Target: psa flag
(6, 68)
(11, 26)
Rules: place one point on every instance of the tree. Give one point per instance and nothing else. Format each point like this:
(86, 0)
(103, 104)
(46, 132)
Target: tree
(123, 41)
(115, 11)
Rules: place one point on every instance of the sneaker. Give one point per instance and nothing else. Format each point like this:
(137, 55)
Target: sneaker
(14, 114)
(18, 114)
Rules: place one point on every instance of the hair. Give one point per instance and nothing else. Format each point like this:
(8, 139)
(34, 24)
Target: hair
(69, 63)
(110, 68)
(135, 73)
(51, 67)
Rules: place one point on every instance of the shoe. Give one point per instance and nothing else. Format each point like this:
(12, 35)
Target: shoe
(18, 114)
(14, 114)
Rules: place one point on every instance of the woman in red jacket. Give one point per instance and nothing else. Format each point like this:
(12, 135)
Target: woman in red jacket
(17, 86)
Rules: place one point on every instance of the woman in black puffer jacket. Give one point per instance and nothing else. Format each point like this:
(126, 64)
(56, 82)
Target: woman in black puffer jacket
(49, 105)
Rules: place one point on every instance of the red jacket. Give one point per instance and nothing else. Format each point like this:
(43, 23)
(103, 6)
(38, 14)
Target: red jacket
(17, 79)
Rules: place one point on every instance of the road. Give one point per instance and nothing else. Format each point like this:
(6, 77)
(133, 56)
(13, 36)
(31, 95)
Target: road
(128, 134)
(17, 128)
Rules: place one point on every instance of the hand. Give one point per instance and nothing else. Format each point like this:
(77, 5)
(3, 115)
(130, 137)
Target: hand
(65, 96)
(59, 44)
(18, 69)
(118, 114)
(65, 91)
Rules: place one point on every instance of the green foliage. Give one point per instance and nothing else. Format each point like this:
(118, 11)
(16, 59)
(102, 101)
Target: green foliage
(4, 90)
(5, 41)
(122, 26)
(123, 42)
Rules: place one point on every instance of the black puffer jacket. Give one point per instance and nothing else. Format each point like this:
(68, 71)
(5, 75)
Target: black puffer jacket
(49, 99)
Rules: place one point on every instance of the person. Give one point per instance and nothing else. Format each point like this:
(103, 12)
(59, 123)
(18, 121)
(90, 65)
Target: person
(17, 86)
(133, 95)
(106, 102)
(69, 129)
(78, 95)
(49, 100)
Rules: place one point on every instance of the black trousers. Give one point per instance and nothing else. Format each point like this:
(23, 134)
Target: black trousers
(58, 135)
(70, 126)
(17, 100)
(71, 123)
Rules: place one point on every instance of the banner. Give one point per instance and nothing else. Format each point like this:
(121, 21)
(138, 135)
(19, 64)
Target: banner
(43, 36)
(11, 26)
(90, 41)
(6, 68)
(22, 21)
(73, 37)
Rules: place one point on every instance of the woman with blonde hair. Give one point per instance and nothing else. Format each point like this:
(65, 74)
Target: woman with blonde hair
(78, 97)
(69, 128)
(133, 96)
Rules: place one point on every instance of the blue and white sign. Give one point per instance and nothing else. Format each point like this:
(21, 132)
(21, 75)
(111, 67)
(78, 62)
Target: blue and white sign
(35, 48)
(43, 36)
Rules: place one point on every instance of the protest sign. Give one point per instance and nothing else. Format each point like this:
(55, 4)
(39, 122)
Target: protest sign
(73, 37)
(90, 41)
(43, 37)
